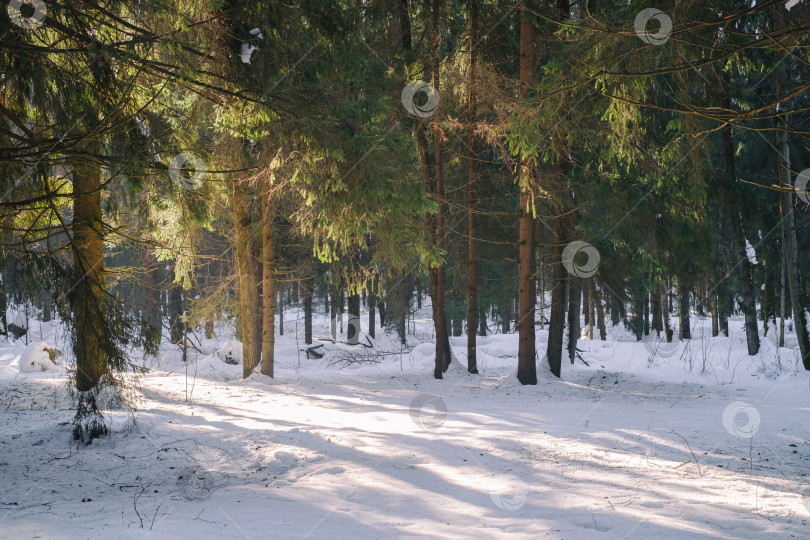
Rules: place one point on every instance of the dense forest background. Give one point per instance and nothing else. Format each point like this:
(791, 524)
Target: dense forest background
(166, 165)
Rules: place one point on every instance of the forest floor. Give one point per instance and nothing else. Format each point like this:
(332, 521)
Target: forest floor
(633, 445)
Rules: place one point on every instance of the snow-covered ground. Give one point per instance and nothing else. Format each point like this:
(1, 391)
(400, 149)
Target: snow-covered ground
(699, 441)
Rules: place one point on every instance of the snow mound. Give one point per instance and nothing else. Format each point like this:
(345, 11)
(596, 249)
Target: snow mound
(230, 353)
(423, 356)
(38, 357)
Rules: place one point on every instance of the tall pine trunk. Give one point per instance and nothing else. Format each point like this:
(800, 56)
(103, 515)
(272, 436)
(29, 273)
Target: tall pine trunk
(175, 309)
(664, 290)
(439, 316)
(88, 294)
(735, 205)
(268, 281)
(574, 305)
(472, 285)
(600, 312)
(251, 332)
(527, 366)
(684, 330)
(556, 325)
(353, 327)
(797, 299)
(151, 316)
(372, 312)
(308, 293)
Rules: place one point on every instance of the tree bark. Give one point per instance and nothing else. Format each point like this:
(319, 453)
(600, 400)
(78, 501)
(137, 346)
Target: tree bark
(657, 323)
(333, 303)
(735, 204)
(556, 325)
(527, 366)
(353, 327)
(268, 281)
(439, 316)
(789, 240)
(685, 330)
(591, 288)
(782, 303)
(308, 293)
(88, 294)
(574, 305)
(280, 304)
(175, 310)
(151, 316)
(600, 313)
(251, 332)
(472, 283)
(372, 312)
(665, 310)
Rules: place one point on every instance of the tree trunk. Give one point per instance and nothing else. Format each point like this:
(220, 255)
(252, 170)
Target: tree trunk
(251, 332)
(280, 305)
(665, 310)
(591, 288)
(600, 313)
(615, 311)
(586, 304)
(88, 294)
(646, 314)
(268, 281)
(308, 293)
(767, 299)
(175, 311)
(782, 303)
(791, 250)
(353, 326)
(341, 307)
(789, 240)
(6, 225)
(655, 308)
(574, 300)
(541, 270)
(527, 366)
(434, 177)
(482, 321)
(715, 315)
(735, 204)
(372, 312)
(684, 331)
(556, 324)
(333, 309)
(472, 285)
(151, 316)
(748, 300)
(381, 310)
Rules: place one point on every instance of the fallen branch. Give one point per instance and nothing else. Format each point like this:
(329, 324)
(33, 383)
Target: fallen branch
(690, 449)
